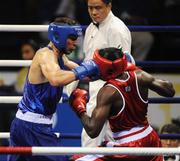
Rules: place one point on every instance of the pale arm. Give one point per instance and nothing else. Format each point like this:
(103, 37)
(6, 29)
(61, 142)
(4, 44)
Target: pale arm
(51, 70)
(68, 63)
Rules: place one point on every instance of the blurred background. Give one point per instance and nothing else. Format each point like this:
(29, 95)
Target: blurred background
(145, 45)
(162, 46)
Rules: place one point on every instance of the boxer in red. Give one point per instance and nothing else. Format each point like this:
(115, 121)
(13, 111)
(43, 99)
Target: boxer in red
(123, 101)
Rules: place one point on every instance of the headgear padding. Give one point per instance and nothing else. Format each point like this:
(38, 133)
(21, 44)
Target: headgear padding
(58, 34)
(110, 62)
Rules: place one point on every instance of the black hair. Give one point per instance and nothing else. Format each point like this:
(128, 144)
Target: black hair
(170, 128)
(107, 1)
(65, 20)
(111, 53)
(32, 43)
(104, 1)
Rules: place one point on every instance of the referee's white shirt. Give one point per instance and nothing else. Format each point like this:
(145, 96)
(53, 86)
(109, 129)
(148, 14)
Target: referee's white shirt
(112, 32)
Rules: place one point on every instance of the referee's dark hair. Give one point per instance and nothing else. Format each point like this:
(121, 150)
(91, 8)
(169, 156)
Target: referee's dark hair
(105, 1)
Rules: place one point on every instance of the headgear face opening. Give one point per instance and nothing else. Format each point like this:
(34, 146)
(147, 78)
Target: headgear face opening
(110, 69)
(58, 34)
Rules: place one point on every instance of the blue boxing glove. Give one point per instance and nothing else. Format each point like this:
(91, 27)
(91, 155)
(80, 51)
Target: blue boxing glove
(87, 68)
(129, 57)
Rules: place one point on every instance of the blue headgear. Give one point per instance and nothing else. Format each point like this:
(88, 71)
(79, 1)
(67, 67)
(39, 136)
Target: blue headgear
(58, 34)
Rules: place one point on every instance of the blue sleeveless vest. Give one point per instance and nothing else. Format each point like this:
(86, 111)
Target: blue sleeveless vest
(41, 98)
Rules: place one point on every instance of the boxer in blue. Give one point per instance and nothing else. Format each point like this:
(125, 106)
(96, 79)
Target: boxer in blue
(32, 125)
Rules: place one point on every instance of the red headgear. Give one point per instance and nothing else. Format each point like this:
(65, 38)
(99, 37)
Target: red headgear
(110, 69)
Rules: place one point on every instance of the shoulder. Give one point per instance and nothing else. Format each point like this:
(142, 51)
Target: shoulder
(44, 55)
(139, 73)
(117, 25)
(89, 27)
(43, 52)
(143, 77)
(107, 94)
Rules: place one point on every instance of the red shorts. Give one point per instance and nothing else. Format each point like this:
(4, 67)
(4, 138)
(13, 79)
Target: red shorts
(146, 137)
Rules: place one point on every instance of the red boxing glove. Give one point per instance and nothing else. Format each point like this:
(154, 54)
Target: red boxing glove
(78, 101)
(131, 67)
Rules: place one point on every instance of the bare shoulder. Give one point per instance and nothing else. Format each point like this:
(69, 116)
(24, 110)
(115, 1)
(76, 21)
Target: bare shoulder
(144, 77)
(44, 53)
(140, 73)
(46, 56)
(107, 94)
(40, 59)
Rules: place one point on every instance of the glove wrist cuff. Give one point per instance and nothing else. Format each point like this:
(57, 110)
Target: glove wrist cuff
(80, 72)
(82, 111)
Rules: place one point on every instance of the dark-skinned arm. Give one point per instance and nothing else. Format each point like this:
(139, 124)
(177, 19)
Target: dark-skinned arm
(94, 124)
(162, 87)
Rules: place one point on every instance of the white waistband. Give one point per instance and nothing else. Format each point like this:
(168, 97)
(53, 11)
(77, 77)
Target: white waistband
(127, 132)
(129, 137)
(34, 117)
